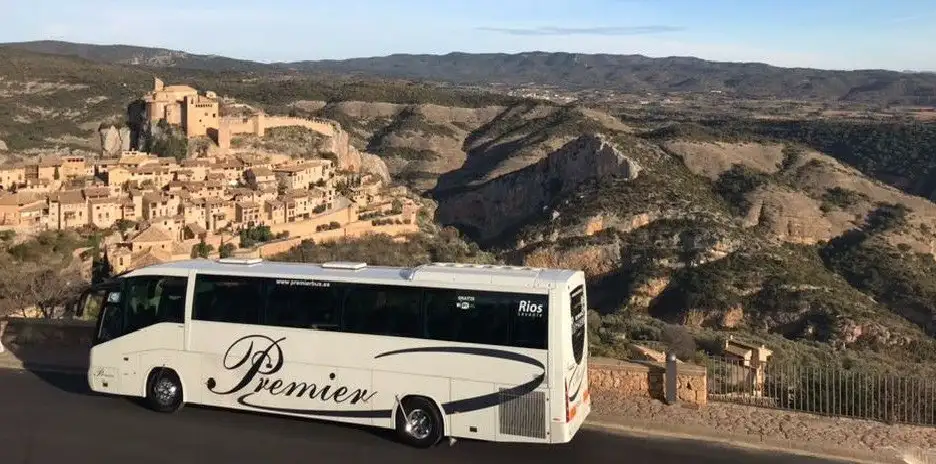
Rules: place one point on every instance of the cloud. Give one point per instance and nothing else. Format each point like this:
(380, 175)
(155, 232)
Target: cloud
(612, 30)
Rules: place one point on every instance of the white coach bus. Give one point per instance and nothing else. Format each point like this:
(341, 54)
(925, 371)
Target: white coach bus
(492, 353)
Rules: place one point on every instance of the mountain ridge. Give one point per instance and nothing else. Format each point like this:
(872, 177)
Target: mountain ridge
(626, 73)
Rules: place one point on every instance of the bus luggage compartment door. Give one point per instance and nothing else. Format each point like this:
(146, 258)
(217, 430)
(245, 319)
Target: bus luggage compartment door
(479, 424)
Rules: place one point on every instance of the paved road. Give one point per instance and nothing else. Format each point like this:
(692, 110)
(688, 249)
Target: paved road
(52, 418)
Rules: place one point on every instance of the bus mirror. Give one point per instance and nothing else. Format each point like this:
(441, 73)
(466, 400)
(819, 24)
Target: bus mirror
(113, 297)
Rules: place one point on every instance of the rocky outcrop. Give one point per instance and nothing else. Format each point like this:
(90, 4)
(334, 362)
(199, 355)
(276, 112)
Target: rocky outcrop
(595, 261)
(710, 159)
(349, 157)
(338, 140)
(373, 164)
(791, 216)
(507, 201)
(3, 146)
(114, 140)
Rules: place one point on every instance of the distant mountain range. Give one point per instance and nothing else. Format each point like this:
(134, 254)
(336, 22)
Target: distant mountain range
(572, 71)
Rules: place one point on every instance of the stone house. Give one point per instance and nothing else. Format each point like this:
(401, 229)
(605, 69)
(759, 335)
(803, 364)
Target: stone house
(67, 210)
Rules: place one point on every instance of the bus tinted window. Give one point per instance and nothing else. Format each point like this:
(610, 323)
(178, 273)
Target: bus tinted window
(530, 326)
(153, 299)
(227, 299)
(383, 310)
(486, 318)
(303, 304)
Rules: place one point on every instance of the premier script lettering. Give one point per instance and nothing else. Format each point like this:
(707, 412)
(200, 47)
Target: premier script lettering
(263, 358)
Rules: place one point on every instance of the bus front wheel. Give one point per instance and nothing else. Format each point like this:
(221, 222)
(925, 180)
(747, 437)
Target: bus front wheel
(164, 391)
(419, 422)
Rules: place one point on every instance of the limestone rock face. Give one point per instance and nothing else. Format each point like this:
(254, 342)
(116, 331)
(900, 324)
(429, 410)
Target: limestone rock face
(595, 261)
(790, 215)
(508, 200)
(373, 164)
(114, 140)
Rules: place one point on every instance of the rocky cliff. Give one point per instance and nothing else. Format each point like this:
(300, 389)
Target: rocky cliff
(114, 140)
(508, 201)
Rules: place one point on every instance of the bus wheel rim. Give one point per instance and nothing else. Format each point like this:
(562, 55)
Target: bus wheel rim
(419, 424)
(165, 391)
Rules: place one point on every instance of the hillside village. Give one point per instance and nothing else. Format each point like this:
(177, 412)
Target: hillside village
(160, 208)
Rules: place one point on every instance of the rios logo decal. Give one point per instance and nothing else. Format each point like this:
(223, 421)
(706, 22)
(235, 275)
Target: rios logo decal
(263, 357)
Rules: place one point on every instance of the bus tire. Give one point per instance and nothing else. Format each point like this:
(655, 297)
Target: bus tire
(164, 391)
(424, 420)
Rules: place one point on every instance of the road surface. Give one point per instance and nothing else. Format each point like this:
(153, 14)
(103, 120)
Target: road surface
(53, 418)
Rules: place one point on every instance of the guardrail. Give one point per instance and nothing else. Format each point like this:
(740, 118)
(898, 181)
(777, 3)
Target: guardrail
(824, 390)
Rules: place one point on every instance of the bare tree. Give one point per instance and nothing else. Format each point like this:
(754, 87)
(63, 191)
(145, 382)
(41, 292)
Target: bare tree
(13, 289)
(43, 286)
(51, 289)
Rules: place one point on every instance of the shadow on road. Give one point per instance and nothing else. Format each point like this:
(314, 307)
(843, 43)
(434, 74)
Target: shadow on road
(76, 383)
(69, 382)
(385, 434)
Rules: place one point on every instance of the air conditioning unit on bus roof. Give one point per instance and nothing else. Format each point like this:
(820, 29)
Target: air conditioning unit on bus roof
(240, 260)
(484, 266)
(352, 266)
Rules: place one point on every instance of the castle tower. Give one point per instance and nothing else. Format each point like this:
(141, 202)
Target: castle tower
(158, 84)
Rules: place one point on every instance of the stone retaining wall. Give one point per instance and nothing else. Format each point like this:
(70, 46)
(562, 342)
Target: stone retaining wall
(607, 377)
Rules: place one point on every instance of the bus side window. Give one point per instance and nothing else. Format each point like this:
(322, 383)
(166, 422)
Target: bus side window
(468, 316)
(231, 299)
(293, 304)
(153, 299)
(383, 310)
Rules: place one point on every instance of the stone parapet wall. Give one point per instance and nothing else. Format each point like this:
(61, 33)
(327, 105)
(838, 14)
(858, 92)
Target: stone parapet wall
(646, 379)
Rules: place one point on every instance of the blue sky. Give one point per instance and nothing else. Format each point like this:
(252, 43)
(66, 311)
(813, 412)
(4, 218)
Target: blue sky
(834, 34)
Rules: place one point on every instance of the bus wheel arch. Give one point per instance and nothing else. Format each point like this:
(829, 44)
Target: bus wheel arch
(164, 390)
(430, 421)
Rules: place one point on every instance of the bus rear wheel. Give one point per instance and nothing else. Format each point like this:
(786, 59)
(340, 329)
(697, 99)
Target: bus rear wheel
(419, 423)
(164, 391)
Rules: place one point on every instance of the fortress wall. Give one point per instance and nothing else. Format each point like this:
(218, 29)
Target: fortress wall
(339, 141)
(306, 229)
(239, 125)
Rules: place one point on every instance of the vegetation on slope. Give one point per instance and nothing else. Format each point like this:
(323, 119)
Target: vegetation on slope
(901, 154)
(684, 259)
(382, 250)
